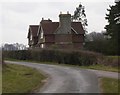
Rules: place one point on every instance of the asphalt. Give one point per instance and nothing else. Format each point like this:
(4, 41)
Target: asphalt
(66, 79)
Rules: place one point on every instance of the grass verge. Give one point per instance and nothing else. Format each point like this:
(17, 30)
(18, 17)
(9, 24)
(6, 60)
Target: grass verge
(109, 85)
(0, 79)
(95, 67)
(20, 79)
(101, 67)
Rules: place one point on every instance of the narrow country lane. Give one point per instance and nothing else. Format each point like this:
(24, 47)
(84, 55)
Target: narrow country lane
(65, 79)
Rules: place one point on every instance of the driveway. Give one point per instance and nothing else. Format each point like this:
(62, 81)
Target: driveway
(65, 79)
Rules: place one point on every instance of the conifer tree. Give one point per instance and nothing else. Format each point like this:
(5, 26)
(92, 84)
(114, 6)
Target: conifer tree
(113, 27)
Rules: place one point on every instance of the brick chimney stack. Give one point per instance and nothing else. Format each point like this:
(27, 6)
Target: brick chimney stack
(65, 23)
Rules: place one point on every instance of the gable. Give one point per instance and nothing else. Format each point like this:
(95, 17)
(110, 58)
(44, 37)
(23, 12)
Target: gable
(77, 27)
(33, 30)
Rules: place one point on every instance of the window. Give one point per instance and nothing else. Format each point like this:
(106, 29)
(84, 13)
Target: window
(41, 36)
(42, 45)
(30, 37)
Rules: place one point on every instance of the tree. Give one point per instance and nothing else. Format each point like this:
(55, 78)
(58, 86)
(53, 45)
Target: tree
(94, 36)
(15, 46)
(96, 42)
(79, 15)
(113, 27)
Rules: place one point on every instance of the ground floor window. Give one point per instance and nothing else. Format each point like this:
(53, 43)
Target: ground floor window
(42, 45)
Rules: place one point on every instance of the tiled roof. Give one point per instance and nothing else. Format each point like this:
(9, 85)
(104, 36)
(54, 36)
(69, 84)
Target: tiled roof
(77, 26)
(33, 29)
(49, 28)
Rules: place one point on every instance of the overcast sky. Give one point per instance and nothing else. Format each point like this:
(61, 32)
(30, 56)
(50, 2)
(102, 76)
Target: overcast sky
(16, 16)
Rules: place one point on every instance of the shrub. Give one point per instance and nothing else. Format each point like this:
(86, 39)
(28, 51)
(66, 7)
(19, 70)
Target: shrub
(109, 61)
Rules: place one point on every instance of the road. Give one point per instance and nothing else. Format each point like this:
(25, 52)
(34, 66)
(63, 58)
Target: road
(65, 79)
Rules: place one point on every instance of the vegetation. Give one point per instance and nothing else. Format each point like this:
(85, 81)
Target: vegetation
(108, 41)
(0, 79)
(80, 58)
(112, 29)
(79, 15)
(109, 85)
(101, 67)
(58, 56)
(95, 67)
(15, 46)
(93, 40)
(20, 79)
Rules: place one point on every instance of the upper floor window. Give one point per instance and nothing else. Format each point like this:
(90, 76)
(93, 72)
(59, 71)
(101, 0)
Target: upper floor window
(30, 37)
(41, 36)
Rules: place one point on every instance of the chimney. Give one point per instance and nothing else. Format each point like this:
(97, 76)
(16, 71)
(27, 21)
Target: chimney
(46, 21)
(65, 23)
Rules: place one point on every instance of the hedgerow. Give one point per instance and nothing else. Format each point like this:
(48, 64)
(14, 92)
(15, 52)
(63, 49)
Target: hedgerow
(78, 57)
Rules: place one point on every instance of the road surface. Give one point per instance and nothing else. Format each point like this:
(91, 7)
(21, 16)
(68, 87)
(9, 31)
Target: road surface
(65, 79)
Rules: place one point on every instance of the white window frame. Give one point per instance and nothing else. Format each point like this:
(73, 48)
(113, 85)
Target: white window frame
(41, 34)
(31, 37)
(42, 45)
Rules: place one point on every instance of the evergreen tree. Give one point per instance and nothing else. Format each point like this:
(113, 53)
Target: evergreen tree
(79, 15)
(113, 27)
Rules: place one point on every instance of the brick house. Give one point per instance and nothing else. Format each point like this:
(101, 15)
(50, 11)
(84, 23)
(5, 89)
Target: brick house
(62, 34)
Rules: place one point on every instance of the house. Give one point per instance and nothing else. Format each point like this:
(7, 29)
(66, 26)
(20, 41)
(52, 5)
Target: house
(62, 34)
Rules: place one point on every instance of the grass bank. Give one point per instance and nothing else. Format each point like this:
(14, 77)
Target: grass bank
(109, 85)
(20, 79)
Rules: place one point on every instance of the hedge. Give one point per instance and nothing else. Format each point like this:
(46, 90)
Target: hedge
(58, 56)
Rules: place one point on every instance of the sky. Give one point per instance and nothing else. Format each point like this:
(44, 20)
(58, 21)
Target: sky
(17, 15)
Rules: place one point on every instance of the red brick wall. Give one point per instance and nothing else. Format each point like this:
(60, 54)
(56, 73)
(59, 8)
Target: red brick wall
(63, 38)
(49, 38)
(48, 45)
(78, 38)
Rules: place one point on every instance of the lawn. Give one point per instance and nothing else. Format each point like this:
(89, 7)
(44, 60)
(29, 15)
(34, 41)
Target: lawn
(109, 85)
(20, 79)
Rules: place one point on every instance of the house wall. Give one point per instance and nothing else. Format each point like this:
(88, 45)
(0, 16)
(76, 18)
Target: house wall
(49, 38)
(59, 38)
(63, 40)
(79, 38)
(48, 45)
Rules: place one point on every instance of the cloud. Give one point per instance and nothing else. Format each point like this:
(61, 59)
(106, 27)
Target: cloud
(15, 17)
(96, 13)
